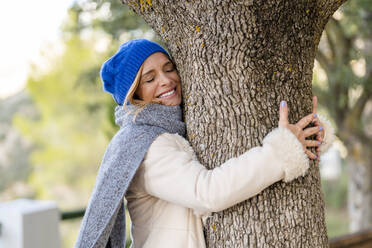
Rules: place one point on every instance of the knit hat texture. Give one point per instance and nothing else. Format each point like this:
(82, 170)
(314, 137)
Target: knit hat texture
(119, 71)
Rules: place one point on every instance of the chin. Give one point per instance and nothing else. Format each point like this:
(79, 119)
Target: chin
(174, 102)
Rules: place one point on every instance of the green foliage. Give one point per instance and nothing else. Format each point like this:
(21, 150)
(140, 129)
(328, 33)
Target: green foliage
(335, 192)
(344, 93)
(76, 118)
(358, 17)
(337, 222)
(335, 198)
(69, 135)
(341, 54)
(111, 17)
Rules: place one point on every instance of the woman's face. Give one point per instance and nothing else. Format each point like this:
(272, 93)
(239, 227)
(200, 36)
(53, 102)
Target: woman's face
(159, 81)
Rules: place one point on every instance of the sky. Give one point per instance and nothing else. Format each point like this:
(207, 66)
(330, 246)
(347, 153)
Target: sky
(26, 27)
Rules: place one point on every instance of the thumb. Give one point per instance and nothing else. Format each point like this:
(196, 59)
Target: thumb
(283, 114)
(315, 104)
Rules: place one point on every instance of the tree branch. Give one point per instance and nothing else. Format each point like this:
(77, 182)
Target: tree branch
(340, 46)
(327, 8)
(358, 108)
(353, 119)
(324, 62)
(331, 44)
(158, 13)
(344, 43)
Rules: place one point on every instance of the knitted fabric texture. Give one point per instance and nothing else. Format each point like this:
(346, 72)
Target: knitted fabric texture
(119, 71)
(104, 218)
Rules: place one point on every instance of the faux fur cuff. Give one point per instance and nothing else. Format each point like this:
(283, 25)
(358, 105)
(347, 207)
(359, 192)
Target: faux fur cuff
(289, 151)
(329, 134)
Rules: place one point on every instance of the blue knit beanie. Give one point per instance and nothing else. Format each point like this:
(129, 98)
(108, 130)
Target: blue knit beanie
(119, 71)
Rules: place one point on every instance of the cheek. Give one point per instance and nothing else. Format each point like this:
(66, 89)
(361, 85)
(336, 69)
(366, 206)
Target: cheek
(141, 92)
(149, 92)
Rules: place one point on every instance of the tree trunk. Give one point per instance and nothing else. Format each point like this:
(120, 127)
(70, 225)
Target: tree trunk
(360, 187)
(237, 60)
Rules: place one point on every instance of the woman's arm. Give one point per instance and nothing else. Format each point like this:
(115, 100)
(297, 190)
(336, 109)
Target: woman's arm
(171, 171)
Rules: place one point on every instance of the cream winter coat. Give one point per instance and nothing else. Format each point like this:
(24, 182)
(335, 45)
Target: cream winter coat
(171, 191)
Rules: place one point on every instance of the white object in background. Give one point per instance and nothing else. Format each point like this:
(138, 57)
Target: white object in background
(330, 164)
(29, 224)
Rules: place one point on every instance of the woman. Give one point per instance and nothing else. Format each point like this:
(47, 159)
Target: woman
(150, 163)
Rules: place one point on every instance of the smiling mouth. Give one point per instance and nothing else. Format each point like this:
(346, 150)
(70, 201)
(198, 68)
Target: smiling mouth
(168, 94)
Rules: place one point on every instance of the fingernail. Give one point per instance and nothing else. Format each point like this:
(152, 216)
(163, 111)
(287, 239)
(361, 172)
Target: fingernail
(316, 157)
(319, 142)
(320, 128)
(314, 115)
(282, 103)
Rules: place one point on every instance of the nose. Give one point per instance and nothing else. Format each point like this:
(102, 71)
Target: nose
(164, 79)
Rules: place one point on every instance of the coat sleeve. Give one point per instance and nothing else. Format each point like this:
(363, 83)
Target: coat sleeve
(329, 134)
(171, 171)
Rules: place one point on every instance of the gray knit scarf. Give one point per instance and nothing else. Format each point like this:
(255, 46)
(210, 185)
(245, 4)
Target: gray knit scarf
(103, 224)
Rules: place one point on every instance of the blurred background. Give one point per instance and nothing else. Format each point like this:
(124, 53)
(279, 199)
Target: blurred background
(55, 120)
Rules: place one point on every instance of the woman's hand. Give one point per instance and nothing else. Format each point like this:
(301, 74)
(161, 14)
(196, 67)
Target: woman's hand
(299, 129)
(321, 134)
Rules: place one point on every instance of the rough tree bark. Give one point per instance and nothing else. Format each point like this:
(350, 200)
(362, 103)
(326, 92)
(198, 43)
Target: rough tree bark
(237, 60)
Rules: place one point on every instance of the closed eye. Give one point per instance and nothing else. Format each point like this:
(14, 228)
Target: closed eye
(170, 67)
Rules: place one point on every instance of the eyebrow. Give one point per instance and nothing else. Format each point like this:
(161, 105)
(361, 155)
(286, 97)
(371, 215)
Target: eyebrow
(165, 64)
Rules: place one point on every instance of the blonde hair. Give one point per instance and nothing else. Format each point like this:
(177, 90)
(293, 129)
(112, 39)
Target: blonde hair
(133, 99)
